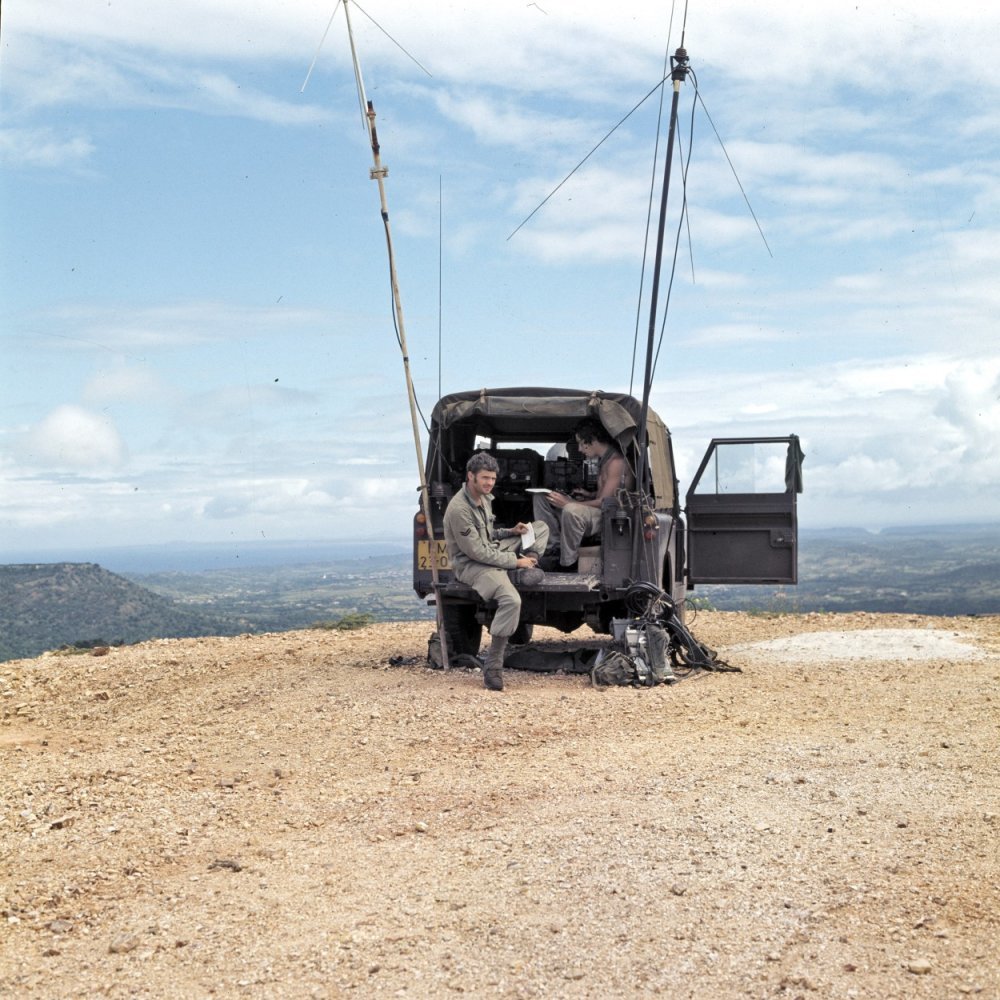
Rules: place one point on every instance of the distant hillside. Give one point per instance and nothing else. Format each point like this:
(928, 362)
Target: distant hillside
(949, 570)
(46, 605)
(946, 570)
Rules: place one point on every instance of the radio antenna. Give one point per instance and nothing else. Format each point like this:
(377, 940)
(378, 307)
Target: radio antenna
(379, 173)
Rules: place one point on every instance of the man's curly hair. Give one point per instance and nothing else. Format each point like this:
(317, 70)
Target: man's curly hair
(589, 429)
(482, 462)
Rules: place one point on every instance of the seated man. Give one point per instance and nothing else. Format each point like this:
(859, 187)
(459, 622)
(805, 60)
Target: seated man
(485, 558)
(570, 519)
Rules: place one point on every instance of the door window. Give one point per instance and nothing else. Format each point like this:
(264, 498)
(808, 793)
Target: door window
(744, 467)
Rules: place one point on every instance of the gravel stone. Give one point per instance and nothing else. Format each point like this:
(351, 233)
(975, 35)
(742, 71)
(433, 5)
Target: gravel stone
(318, 813)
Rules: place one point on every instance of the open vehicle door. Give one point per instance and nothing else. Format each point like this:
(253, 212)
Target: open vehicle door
(741, 512)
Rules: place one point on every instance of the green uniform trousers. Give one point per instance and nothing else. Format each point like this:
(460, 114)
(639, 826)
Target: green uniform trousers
(493, 584)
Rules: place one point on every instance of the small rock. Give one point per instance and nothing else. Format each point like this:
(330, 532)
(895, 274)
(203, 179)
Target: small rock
(678, 889)
(59, 926)
(918, 966)
(227, 863)
(123, 943)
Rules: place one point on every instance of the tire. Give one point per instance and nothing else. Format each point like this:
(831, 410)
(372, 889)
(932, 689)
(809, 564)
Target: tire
(465, 634)
(522, 634)
(613, 609)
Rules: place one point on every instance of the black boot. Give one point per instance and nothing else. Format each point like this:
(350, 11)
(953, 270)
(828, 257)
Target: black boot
(493, 668)
(529, 576)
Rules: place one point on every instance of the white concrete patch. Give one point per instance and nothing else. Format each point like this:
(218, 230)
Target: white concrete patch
(890, 644)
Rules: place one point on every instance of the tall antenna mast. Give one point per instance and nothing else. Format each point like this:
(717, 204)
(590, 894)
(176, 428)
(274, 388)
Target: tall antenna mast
(679, 62)
(379, 174)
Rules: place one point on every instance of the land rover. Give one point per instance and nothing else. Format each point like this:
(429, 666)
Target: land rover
(737, 525)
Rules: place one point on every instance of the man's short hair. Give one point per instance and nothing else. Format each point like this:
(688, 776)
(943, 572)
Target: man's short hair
(589, 429)
(482, 462)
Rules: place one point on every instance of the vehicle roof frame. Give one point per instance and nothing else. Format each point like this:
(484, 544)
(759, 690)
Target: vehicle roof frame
(510, 412)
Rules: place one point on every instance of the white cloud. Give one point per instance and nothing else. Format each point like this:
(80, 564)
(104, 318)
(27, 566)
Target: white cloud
(501, 43)
(72, 437)
(500, 122)
(124, 383)
(43, 147)
(970, 403)
(877, 202)
(881, 437)
(219, 94)
(734, 333)
(133, 331)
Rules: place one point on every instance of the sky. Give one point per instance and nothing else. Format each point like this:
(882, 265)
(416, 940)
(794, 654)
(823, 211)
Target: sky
(195, 309)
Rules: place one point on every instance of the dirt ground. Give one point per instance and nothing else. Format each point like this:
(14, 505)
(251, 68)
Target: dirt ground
(292, 815)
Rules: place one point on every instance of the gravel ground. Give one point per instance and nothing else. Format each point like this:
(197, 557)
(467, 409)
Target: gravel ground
(291, 815)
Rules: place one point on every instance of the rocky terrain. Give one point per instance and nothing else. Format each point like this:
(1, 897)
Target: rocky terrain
(319, 814)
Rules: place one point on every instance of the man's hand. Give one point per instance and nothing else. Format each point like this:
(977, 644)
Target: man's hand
(560, 500)
(526, 562)
(520, 528)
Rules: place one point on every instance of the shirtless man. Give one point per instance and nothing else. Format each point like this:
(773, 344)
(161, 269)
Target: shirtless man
(571, 518)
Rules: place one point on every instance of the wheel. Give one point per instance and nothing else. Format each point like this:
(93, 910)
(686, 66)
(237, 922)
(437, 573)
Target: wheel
(565, 621)
(522, 634)
(465, 634)
(609, 611)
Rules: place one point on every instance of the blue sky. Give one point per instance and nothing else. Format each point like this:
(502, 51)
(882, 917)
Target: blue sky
(197, 339)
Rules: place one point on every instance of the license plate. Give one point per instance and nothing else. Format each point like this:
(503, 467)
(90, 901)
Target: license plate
(424, 555)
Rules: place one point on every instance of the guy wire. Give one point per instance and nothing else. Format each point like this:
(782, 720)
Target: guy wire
(649, 207)
(680, 230)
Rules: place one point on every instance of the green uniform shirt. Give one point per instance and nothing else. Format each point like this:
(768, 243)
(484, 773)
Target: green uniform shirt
(471, 536)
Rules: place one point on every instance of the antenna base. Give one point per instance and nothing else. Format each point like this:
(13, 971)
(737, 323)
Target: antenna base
(679, 61)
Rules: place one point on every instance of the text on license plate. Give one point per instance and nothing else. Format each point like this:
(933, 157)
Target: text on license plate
(424, 555)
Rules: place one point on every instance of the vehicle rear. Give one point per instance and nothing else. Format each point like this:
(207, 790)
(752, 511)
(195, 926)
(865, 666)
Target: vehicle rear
(530, 433)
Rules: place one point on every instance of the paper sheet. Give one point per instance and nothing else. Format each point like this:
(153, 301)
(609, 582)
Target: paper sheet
(528, 539)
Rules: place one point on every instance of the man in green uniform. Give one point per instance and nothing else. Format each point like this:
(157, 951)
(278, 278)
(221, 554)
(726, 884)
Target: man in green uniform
(485, 557)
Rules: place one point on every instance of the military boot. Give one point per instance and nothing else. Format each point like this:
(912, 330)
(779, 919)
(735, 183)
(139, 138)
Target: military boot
(529, 576)
(493, 668)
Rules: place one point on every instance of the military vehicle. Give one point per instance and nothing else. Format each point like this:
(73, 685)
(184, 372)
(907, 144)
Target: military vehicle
(737, 524)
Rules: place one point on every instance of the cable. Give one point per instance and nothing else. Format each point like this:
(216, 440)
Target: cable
(651, 605)
(677, 239)
(739, 183)
(395, 325)
(649, 207)
(607, 136)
